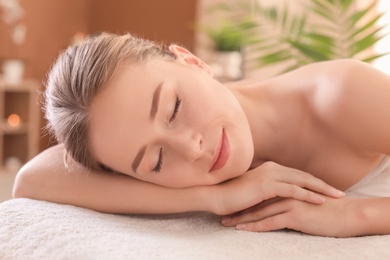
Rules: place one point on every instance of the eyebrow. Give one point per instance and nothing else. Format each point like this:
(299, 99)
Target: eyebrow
(138, 158)
(153, 111)
(155, 101)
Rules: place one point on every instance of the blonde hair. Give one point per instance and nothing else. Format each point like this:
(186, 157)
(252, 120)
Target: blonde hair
(75, 79)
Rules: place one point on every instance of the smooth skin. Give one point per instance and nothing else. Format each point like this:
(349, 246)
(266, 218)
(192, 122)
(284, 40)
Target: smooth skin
(190, 116)
(319, 119)
(347, 127)
(45, 177)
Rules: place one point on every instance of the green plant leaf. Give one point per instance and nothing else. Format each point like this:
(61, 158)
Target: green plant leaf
(346, 4)
(302, 25)
(374, 57)
(309, 51)
(323, 14)
(326, 52)
(275, 34)
(284, 16)
(368, 26)
(365, 42)
(321, 5)
(320, 38)
(356, 16)
(331, 1)
(275, 57)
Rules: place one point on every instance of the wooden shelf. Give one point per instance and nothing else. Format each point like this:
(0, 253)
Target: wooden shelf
(24, 86)
(20, 142)
(14, 130)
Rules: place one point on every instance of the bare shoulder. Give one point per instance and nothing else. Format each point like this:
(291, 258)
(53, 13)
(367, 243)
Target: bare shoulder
(353, 99)
(44, 170)
(46, 159)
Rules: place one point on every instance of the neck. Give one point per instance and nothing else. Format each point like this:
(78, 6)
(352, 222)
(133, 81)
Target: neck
(272, 125)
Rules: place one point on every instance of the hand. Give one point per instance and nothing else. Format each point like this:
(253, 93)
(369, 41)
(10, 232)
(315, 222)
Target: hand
(327, 219)
(268, 181)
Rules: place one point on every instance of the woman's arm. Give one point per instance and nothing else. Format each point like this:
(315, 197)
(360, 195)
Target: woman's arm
(46, 178)
(369, 216)
(344, 217)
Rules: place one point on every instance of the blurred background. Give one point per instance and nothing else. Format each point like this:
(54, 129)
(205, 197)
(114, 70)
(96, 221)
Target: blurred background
(238, 38)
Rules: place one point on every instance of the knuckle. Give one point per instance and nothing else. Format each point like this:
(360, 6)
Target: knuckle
(267, 170)
(269, 165)
(294, 190)
(305, 177)
(308, 194)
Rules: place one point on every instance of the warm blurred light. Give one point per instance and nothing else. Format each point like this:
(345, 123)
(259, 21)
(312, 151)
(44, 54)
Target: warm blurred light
(78, 37)
(13, 120)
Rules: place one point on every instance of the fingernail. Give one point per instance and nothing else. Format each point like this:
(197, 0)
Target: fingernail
(320, 199)
(226, 220)
(339, 193)
(241, 226)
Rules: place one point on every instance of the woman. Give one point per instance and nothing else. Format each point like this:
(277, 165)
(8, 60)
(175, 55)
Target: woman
(126, 106)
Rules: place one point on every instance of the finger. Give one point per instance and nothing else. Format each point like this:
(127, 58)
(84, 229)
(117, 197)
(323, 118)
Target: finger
(257, 213)
(268, 224)
(306, 180)
(261, 204)
(296, 192)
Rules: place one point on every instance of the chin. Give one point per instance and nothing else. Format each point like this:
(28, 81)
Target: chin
(244, 156)
(240, 169)
(236, 168)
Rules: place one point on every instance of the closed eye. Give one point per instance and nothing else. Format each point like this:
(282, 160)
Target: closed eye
(176, 109)
(158, 166)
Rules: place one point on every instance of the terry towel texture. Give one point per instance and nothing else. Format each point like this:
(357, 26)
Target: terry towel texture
(31, 229)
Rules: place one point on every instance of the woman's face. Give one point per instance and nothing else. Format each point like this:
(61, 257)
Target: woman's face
(170, 123)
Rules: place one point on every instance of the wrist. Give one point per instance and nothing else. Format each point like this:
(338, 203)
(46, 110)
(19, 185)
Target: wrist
(361, 217)
(214, 198)
(200, 198)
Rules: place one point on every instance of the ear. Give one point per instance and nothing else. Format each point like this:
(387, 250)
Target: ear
(186, 57)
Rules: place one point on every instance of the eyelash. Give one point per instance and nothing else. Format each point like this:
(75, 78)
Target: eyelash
(158, 166)
(176, 109)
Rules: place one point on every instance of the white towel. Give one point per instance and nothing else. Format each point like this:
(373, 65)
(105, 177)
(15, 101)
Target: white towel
(31, 229)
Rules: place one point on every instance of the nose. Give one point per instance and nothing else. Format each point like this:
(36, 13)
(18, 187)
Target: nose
(187, 143)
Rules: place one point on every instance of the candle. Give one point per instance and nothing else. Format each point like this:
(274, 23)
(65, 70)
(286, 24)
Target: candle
(13, 120)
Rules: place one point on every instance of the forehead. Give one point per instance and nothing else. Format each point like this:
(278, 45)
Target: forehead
(131, 83)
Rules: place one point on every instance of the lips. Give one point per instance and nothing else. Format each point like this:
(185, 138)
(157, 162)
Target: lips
(222, 153)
